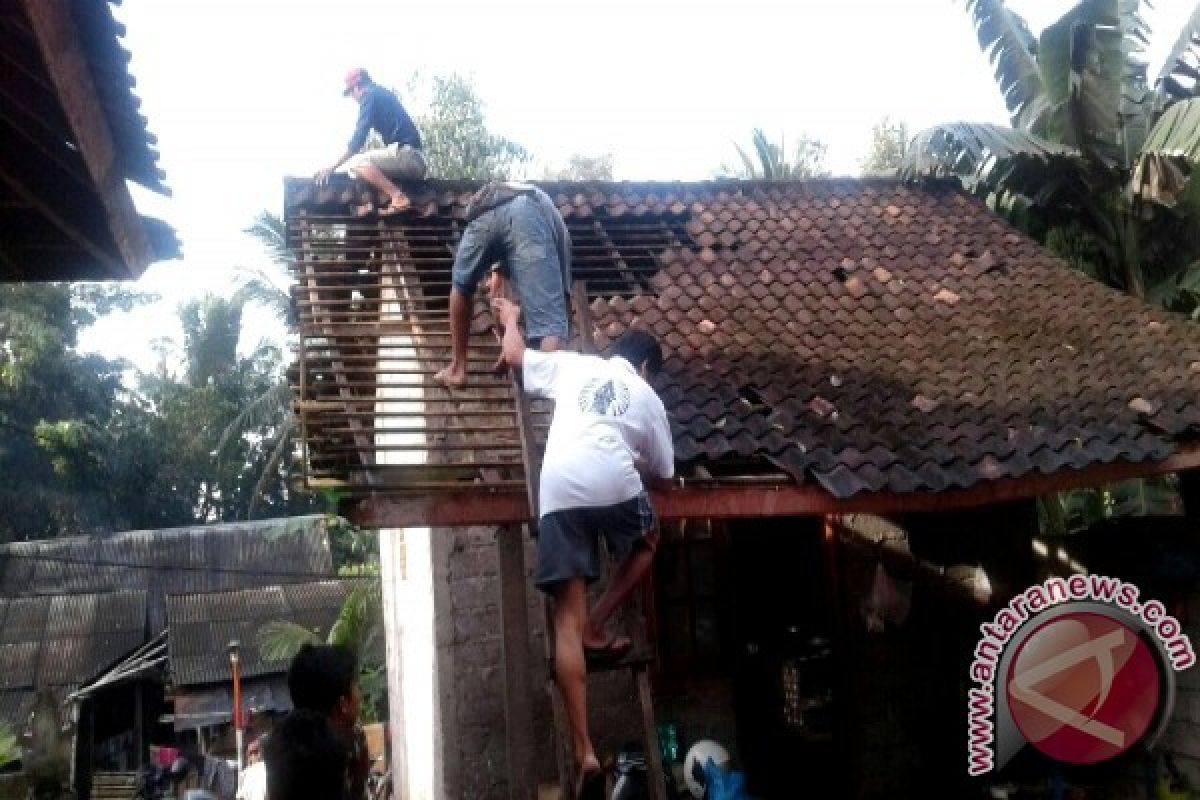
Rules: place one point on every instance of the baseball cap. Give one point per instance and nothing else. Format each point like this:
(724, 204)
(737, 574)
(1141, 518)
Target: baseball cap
(354, 77)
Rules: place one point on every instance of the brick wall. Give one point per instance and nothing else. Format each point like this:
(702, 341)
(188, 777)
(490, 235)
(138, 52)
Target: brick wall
(468, 638)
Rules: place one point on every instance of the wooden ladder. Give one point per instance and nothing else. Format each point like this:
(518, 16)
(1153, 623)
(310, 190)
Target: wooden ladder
(641, 655)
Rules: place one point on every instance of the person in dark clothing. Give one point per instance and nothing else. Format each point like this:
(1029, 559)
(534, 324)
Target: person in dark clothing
(380, 110)
(305, 758)
(324, 679)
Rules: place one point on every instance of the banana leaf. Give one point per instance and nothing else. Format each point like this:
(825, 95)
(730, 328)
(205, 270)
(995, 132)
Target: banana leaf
(1180, 74)
(1005, 38)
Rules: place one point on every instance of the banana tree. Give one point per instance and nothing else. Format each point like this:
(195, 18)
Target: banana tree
(359, 627)
(1098, 161)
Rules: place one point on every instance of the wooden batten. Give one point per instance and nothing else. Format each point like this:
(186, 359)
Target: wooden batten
(58, 41)
(482, 505)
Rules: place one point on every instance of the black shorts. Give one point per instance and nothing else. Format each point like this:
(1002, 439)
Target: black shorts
(568, 540)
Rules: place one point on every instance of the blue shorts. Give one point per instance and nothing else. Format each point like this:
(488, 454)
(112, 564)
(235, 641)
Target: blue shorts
(521, 234)
(568, 541)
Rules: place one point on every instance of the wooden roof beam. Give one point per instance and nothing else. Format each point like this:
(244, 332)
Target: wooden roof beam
(113, 267)
(58, 42)
(479, 505)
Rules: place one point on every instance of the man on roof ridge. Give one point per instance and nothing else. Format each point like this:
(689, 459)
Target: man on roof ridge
(516, 225)
(400, 158)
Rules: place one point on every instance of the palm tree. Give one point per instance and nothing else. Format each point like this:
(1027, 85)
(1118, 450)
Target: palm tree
(1097, 162)
(359, 627)
(269, 414)
(771, 163)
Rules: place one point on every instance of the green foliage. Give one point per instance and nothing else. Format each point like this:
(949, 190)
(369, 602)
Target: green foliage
(359, 627)
(264, 418)
(83, 453)
(355, 551)
(771, 161)
(1099, 161)
(10, 750)
(1076, 510)
(584, 168)
(889, 144)
(457, 141)
(1078, 247)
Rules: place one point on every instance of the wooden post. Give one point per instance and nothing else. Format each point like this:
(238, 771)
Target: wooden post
(654, 764)
(1189, 482)
(514, 627)
(842, 664)
(139, 725)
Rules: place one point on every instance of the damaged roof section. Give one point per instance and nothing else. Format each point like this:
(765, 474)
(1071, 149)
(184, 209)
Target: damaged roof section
(866, 336)
(71, 135)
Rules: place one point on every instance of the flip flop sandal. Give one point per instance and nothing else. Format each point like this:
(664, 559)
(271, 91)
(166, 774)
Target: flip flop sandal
(614, 649)
(591, 786)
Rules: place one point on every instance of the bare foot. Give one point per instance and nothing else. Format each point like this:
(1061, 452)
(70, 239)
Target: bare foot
(452, 377)
(365, 209)
(397, 204)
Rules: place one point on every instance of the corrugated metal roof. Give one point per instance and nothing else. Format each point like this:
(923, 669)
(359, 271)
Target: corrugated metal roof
(62, 641)
(202, 625)
(15, 707)
(195, 559)
(18, 663)
(25, 620)
(73, 661)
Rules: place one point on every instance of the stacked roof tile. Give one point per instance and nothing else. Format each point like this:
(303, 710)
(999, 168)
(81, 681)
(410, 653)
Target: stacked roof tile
(866, 335)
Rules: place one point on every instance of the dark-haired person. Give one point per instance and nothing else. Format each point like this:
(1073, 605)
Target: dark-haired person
(305, 758)
(609, 431)
(400, 158)
(517, 226)
(324, 679)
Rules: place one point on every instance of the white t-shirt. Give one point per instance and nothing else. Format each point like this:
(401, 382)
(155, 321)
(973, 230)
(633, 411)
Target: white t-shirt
(608, 423)
(253, 785)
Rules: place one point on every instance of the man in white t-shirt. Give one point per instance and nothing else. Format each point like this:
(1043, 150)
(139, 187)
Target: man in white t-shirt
(609, 432)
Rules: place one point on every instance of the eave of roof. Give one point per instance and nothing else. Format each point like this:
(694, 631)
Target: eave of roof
(869, 338)
(72, 138)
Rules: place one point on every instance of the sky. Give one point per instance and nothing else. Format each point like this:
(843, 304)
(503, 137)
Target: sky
(244, 92)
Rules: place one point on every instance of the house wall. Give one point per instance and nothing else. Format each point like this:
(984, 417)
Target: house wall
(901, 691)
(1182, 737)
(471, 685)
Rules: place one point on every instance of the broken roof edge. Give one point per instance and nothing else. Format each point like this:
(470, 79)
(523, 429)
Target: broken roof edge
(301, 192)
(715, 500)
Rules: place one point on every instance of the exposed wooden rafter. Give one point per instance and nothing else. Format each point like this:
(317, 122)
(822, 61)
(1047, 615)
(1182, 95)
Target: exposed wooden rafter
(17, 187)
(58, 41)
(481, 506)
